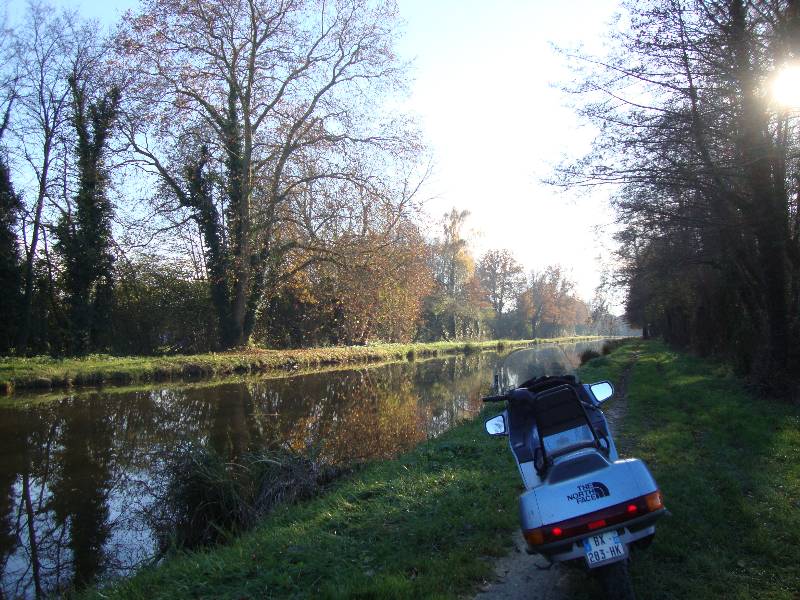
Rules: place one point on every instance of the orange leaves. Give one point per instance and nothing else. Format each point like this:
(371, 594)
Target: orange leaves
(550, 305)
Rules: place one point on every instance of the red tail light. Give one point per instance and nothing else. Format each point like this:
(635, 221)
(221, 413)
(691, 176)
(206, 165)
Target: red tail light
(619, 513)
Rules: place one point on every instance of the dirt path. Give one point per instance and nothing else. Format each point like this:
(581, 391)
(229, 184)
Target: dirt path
(520, 576)
(618, 408)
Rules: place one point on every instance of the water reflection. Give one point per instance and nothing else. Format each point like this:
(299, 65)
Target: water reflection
(79, 475)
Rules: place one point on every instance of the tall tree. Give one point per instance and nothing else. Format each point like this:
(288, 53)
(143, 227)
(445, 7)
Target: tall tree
(261, 119)
(707, 166)
(84, 233)
(502, 277)
(453, 263)
(457, 307)
(548, 304)
(49, 46)
(10, 207)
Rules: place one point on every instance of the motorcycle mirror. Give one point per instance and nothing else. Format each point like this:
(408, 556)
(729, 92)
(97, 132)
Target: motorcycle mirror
(602, 390)
(496, 425)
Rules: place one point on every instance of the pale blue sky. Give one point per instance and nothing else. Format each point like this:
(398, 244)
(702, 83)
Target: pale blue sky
(485, 97)
(483, 94)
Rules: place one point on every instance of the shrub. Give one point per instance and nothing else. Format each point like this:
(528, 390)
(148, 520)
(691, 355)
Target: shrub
(205, 499)
(588, 355)
(610, 346)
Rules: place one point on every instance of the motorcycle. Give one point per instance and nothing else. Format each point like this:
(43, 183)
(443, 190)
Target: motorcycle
(582, 504)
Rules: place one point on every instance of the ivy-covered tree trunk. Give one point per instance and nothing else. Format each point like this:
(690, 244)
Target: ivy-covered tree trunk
(230, 257)
(238, 189)
(205, 213)
(84, 234)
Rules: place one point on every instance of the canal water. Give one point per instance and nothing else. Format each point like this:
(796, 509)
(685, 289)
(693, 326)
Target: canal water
(80, 473)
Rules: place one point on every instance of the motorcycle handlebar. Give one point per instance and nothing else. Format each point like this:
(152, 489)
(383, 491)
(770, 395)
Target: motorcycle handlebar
(495, 398)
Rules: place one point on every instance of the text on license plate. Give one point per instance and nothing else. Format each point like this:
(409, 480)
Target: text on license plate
(603, 547)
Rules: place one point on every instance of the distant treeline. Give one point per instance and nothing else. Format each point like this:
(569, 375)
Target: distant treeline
(225, 172)
(698, 106)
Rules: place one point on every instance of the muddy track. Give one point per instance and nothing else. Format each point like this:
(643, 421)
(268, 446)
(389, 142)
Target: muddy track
(618, 408)
(519, 576)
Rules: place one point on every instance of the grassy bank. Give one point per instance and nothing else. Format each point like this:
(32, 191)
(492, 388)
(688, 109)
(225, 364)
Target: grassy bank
(418, 526)
(729, 467)
(45, 372)
(428, 523)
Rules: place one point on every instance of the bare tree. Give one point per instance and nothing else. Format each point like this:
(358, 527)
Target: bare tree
(49, 48)
(258, 118)
(8, 75)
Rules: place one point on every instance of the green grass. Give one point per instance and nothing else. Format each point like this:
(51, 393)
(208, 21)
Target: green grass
(729, 467)
(43, 372)
(422, 525)
(427, 524)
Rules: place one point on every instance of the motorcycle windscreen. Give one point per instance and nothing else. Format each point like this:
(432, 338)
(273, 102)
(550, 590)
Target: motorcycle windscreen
(563, 440)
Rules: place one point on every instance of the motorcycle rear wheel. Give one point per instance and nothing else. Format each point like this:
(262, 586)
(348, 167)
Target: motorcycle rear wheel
(616, 581)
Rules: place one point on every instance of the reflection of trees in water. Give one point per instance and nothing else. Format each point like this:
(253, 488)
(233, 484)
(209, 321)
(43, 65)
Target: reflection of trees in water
(355, 416)
(81, 481)
(7, 539)
(521, 365)
(450, 390)
(65, 465)
(78, 476)
(362, 415)
(61, 479)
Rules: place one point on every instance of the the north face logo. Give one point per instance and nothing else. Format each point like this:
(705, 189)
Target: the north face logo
(588, 492)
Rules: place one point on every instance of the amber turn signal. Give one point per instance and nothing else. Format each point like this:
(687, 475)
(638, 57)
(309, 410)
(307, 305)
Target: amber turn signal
(535, 537)
(654, 501)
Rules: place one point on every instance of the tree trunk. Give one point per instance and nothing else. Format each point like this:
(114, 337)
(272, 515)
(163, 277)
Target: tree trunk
(239, 197)
(766, 209)
(27, 299)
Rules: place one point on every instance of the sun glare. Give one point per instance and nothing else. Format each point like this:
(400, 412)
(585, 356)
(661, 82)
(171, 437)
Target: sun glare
(786, 86)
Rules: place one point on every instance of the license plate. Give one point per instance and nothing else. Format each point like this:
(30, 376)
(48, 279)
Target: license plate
(603, 547)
